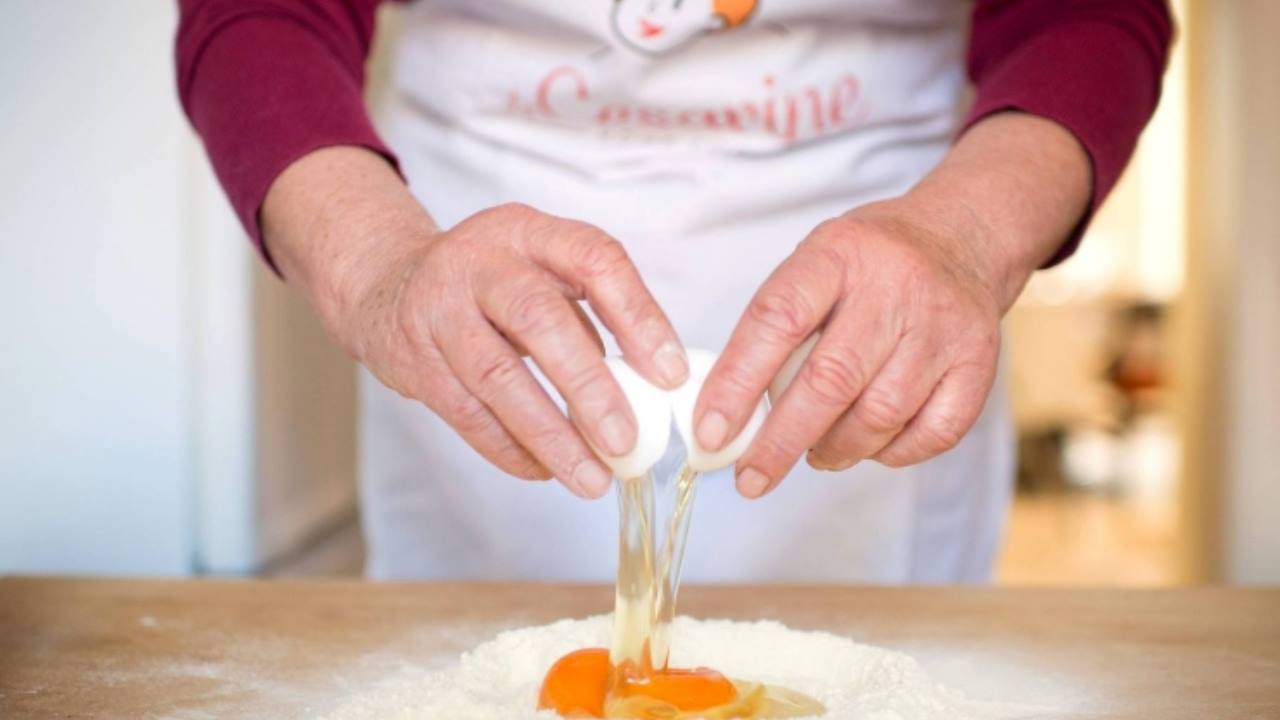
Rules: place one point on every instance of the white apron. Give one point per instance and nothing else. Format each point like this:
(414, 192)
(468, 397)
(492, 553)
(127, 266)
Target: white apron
(710, 138)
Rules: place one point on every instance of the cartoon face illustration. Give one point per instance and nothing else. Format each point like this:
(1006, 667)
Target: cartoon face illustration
(659, 26)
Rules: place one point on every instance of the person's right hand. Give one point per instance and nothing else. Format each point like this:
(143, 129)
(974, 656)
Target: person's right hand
(443, 317)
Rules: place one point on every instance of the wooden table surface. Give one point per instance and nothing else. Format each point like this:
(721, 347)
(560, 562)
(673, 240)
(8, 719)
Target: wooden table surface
(198, 649)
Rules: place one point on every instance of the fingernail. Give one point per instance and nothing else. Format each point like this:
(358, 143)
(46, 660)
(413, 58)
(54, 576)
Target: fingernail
(817, 462)
(752, 483)
(618, 434)
(591, 478)
(672, 363)
(712, 431)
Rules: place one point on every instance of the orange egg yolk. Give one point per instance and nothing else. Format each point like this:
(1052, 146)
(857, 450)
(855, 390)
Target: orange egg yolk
(578, 684)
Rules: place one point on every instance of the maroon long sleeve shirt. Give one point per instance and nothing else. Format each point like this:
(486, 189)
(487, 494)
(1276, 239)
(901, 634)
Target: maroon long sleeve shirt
(267, 81)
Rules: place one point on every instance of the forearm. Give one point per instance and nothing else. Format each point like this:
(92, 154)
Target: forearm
(1009, 192)
(1092, 66)
(336, 222)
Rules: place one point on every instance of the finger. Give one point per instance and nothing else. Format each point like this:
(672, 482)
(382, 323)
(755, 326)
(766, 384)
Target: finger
(433, 383)
(851, 351)
(786, 309)
(492, 371)
(587, 325)
(595, 266)
(481, 429)
(887, 404)
(532, 312)
(945, 418)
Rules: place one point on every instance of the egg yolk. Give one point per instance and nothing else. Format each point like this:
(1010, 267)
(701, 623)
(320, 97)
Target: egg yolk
(579, 683)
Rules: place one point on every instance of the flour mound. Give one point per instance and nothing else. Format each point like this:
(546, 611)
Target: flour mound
(499, 679)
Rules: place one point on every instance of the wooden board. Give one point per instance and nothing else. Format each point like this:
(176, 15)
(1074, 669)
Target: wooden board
(188, 649)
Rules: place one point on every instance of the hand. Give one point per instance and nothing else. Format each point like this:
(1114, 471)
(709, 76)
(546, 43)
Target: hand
(443, 317)
(910, 338)
(908, 295)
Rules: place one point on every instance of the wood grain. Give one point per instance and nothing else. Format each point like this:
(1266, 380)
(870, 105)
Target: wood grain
(197, 649)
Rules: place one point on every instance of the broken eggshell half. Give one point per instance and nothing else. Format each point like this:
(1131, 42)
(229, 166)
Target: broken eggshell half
(683, 400)
(651, 406)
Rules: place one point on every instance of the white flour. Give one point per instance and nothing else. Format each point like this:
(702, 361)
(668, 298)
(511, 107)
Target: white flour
(499, 679)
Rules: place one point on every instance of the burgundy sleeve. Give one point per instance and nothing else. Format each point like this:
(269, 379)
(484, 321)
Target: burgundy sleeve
(1093, 66)
(264, 82)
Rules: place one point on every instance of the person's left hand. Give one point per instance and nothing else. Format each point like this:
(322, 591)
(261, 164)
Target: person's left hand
(909, 312)
(908, 294)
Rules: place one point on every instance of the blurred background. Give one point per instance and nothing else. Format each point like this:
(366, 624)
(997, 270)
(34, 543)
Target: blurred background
(168, 407)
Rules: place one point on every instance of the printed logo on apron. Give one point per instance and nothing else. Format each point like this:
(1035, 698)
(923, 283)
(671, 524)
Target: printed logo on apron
(659, 27)
(768, 111)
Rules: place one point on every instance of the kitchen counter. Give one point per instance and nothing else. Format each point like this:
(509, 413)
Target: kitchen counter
(74, 648)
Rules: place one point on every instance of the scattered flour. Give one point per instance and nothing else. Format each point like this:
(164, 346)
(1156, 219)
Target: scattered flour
(499, 679)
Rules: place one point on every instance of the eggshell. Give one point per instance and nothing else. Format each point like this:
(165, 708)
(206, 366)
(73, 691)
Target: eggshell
(651, 406)
(790, 368)
(683, 400)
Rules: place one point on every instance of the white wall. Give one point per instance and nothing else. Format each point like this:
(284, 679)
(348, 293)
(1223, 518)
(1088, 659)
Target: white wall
(95, 397)
(166, 406)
